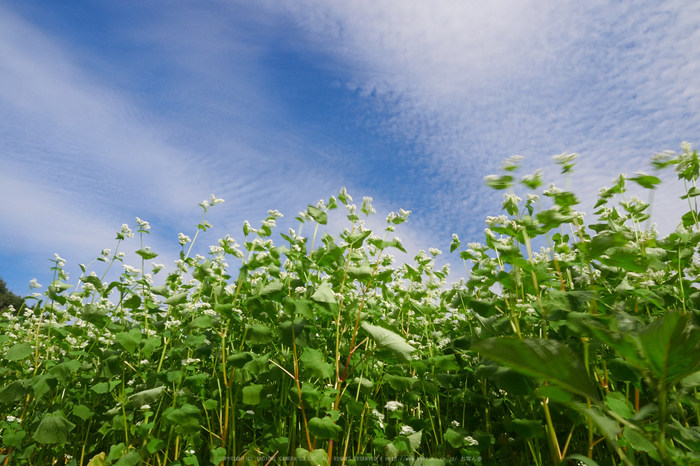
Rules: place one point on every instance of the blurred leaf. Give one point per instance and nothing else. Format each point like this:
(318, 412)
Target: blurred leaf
(672, 347)
(146, 397)
(12, 392)
(186, 419)
(550, 360)
(527, 428)
(647, 181)
(146, 254)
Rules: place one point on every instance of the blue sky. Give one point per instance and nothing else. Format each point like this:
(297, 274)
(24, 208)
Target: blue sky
(113, 110)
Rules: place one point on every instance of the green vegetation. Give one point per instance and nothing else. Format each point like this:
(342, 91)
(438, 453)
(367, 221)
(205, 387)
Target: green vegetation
(321, 351)
(8, 298)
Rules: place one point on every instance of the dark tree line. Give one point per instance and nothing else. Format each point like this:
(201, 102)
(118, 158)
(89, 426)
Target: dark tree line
(8, 298)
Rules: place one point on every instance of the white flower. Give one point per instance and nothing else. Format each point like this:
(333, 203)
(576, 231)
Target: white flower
(33, 284)
(275, 213)
(130, 269)
(407, 430)
(145, 407)
(183, 239)
(143, 225)
(215, 200)
(59, 260)
(393, 405)
(471, 441)
(434, 252)
(11, 419)
(250, 411)
(455, 423)
(126, 231)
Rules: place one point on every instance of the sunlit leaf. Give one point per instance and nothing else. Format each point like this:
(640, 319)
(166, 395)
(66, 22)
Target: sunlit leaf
(386, 339)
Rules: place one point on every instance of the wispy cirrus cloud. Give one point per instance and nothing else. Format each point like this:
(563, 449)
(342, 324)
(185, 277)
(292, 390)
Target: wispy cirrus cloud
(474, 83)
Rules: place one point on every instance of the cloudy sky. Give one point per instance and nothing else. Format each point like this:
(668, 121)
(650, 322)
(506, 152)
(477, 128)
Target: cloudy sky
(113, 110)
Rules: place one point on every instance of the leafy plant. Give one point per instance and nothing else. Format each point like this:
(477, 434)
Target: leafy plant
(322, 351)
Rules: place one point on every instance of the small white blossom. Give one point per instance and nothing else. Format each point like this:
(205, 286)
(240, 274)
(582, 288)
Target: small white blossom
(407, 430)
(33, 284)
(183, 239)
(143, 225)
(393, 405)
(471, 441)
(126, 231)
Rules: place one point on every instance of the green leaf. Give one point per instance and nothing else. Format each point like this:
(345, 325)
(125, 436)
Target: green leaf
(129, 340)
(146, 397)
(146, 254)
(161, 290)
(550, 360)
(363, 272)
(259, 334)
(318, 215)
(527, 428)
(692, 192)
(185, 418)
(648, 181)
(150, 345)
(155, 444)
(98, 460)
(251, 394)
(324, 294)
(116, 451)
(607, 426)
(355, 240)
(272, 287)
(176, 299)
(201, 322)
(19, 352)
(314, 362)
(671, 345)
(583, 459)
(317, 457)
(324, 428)
(386, 339)
(63, 371)
(239, 359)
(54, 428)
(603, 241)
(96, 315)
(130, 459)
(618, 404)
(83, 412)
(638, 441)
(399, 383)
(93, 280)
(100, 388)
(13, 392)
(455, 437)
(217, 455)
